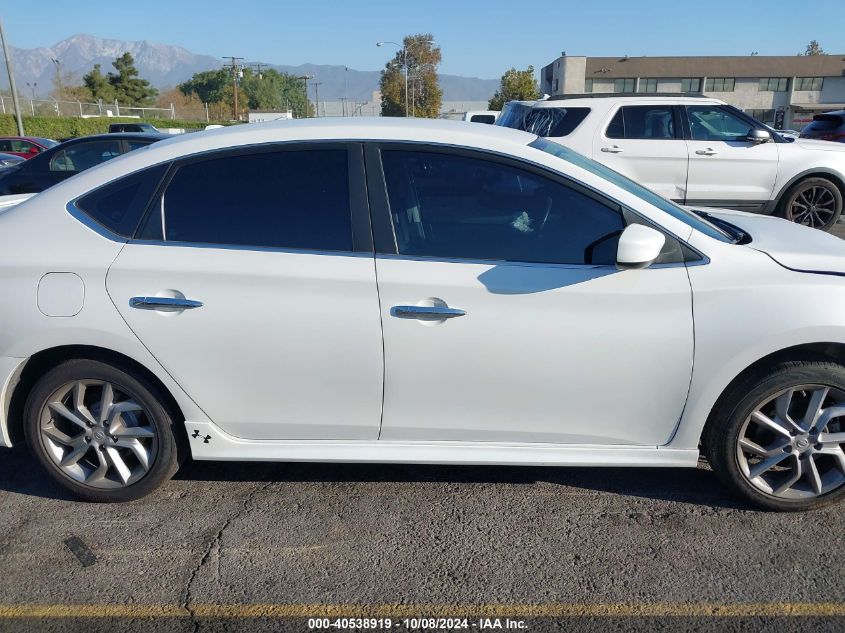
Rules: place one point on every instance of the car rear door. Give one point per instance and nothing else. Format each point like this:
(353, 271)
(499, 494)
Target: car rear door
(645, 142)
(505, 318)
(252, 282)
(725, 169)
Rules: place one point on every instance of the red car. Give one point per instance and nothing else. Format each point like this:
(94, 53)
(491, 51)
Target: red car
(25, 146)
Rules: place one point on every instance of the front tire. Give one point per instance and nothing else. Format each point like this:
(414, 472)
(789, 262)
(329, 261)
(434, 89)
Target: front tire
(776, 438)
(101, 431)
(813, 202)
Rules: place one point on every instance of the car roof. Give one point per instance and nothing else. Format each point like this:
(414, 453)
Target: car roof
(588, 100)
(113, 136)
(444, 131)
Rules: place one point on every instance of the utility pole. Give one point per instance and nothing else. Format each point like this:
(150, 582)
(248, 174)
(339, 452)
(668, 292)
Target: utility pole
(58, 82)
(317, 85)
(306, 78)
(12, 86)
(235, 70)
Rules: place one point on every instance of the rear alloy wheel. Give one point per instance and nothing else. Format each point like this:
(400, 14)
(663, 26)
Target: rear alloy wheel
(814, 202)
(100, 432)
(779, 438)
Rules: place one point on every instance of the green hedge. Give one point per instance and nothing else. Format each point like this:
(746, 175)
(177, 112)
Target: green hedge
(65, 127)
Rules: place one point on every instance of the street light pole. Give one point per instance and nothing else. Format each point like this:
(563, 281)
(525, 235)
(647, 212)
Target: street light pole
(307, 104)
(404, 50)
(12, 86)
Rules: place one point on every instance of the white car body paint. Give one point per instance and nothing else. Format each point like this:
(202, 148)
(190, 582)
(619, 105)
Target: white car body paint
(632, 381)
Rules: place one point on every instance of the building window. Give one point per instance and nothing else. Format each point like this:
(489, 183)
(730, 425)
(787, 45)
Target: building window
(719, 84)
(766, 116)
(809, 83)
(691, 84)
(774, 84)
(647, 85)
(624, 85)
(588, 85)
(555, 85)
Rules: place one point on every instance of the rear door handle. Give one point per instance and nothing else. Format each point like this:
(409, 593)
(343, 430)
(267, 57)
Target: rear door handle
(426, 313)
(706, 152)
(163, 303)
(615, 149)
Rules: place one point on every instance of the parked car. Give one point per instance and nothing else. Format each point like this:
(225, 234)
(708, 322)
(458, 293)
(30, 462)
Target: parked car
(695, 150)
(10, 160)
(67, 159)
(473, 116)
(829, 126)
(496, 298)
(25, 146)
(133, 127)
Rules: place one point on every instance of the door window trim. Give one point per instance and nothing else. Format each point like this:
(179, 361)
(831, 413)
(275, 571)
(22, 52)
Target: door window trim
(362, 236)
(384, 233)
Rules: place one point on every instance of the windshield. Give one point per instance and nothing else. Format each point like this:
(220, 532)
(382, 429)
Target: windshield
(555, 122)
(687, 217)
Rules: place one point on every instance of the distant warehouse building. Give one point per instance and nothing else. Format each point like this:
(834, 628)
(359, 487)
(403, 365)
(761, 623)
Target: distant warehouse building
(784, 92)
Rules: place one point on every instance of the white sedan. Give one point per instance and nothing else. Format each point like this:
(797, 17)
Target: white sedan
(412, 291)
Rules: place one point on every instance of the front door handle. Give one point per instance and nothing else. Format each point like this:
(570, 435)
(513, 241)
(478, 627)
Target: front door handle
(706, 152)
(615, 149)
(163, 303)
(426, 313)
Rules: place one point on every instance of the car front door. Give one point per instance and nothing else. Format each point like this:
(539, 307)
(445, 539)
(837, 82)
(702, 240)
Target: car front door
(251, 287)
(645, 143)
(725, 169)
(505, 318)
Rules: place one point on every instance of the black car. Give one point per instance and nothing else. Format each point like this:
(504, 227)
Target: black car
(67, 159)
(829, 126)
(133, 127)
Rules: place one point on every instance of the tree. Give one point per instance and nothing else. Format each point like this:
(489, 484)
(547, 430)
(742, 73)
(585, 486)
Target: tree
(517, 85)
(128, 87)
(813, 48)
(98, 85)
(423, 85)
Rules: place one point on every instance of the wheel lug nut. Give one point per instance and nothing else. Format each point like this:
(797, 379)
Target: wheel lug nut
(818, 447)
(787, 449)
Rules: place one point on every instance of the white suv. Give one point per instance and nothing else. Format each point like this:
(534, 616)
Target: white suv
(695, 150)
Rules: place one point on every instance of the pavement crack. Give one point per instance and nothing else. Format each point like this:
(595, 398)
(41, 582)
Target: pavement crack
(214, 546)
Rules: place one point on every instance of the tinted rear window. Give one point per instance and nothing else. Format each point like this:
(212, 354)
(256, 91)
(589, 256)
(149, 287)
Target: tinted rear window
(119, 205)
(288, 199)
(824, 123)
(554, 122)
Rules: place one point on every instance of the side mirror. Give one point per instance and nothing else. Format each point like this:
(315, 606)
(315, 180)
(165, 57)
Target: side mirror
(639, 246)
(758, 136)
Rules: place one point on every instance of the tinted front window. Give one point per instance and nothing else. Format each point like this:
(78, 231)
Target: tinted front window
(483, 118)
(625, 183)
(119, 205)
(285, 199)
(451, 206)
(542, 121)
(643, 122)
(82, 156)
(712, 123)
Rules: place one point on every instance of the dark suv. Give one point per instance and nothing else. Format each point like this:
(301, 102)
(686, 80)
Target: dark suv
(71, 157)
(829, 126)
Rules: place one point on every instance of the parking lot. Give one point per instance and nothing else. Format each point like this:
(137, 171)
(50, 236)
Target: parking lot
(259, 546)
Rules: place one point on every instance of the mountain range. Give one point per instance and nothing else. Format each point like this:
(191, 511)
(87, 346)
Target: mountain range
(164, 66)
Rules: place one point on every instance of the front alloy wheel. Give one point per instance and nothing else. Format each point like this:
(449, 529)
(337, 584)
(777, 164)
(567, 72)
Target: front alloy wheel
(777, 435)
(102, 431)
(791, 445)
(815, 202)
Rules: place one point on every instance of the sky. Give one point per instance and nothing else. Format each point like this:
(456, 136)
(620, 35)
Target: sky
(479, 39)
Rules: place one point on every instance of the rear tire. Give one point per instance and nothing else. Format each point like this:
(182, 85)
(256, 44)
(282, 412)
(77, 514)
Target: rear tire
(813, 202)
(101, 431)
(769, 441)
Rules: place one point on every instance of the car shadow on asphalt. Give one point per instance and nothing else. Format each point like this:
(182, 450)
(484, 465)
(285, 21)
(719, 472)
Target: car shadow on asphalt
(20, 474)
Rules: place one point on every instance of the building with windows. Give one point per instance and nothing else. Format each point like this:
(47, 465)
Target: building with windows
(784, 92)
